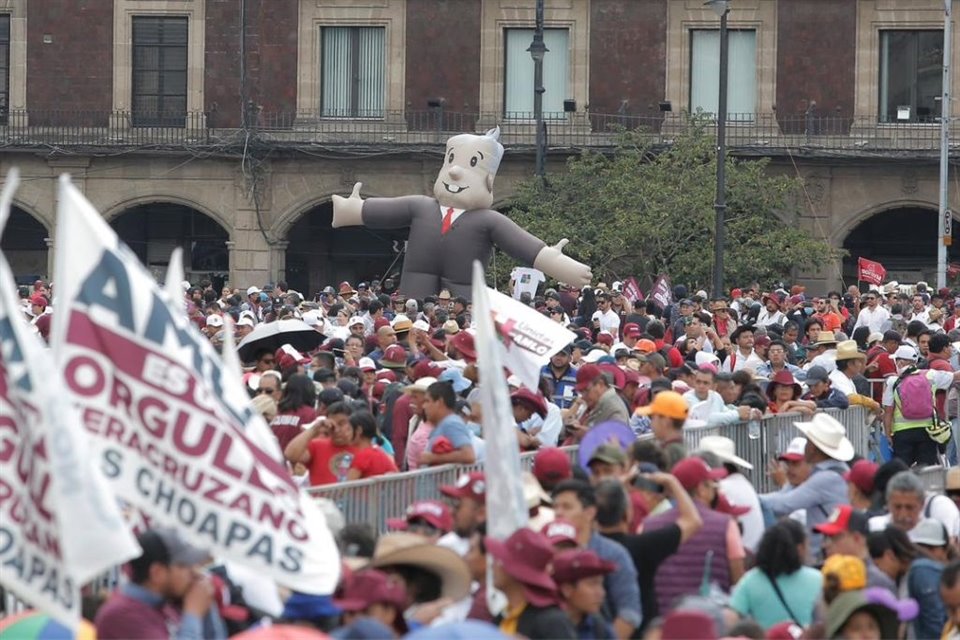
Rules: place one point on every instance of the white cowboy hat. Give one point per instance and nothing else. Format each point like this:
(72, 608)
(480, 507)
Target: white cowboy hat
(828, 435)
(723, 448)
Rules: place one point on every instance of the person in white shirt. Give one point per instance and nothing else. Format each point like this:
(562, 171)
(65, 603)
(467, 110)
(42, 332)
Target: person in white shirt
(873, 315)
(707, 404)
(908, 503)
(771, 314)
(919, 310)
(604, 318)
(743, 357)
(737, 488)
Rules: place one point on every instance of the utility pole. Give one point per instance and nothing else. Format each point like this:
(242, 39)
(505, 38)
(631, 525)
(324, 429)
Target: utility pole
(537, 50)
(945, 221)
(722, 8)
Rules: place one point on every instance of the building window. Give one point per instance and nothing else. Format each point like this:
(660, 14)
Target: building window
(518, 88)
(159, 70)
(352, 72)
(741, 72)
(911, 75)
(4, 67)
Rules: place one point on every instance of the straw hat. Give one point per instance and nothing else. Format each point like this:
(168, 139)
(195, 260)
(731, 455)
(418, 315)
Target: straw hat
(409, 549)
(847, 350)
(825, 337)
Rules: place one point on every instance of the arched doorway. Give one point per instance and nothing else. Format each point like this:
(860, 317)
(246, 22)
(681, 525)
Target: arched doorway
(319, 255)
(25, 247)
(903, 240)
(153, 230)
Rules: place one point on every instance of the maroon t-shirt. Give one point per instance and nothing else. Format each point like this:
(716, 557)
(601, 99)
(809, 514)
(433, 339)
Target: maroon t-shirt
(289, 424)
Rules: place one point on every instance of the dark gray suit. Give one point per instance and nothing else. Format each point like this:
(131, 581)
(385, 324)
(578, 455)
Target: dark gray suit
(436, 261)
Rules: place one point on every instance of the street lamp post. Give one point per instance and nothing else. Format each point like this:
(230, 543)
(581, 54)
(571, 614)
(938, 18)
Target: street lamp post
(721, 8)
(537, 50)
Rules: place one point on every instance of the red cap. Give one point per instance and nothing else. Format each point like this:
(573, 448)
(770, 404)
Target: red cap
(469, 485)
(736, 293)
(631, 330)
(533, 400)
(433, 512)
(586, 375)
(725, 506)
(387, 375)
(605, 338)
(692, 471)
(380, 322)
(463, 342)
(379, 388)
(630, 377)
(576, 564)
(551, 465)
(844, 518)
(38, 299)
(426, 369)
(560, 531)
(615, 372)
(861, 475)
(394, 357)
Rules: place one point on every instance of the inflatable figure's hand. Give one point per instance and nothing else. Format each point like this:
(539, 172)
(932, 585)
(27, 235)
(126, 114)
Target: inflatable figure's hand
(347, 212)
(552, 262)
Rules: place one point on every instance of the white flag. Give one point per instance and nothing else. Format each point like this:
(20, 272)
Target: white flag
(174, 428)
(531, 338)
(506, 508)
(60, 525)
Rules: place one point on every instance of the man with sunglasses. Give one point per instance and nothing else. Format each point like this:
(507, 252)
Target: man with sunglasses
(270, 385)
(873, 315)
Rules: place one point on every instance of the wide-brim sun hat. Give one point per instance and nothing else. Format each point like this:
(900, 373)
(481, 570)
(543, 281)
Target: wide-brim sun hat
(829, 435)
(412, 550)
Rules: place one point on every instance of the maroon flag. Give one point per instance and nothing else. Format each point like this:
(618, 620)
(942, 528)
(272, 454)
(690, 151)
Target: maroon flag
(870, 271)
(631, 290)
(661, 292)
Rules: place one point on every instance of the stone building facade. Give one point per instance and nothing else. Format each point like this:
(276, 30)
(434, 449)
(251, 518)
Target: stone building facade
(269, 107)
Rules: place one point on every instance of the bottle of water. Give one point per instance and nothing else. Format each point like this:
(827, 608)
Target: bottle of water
(753, 429)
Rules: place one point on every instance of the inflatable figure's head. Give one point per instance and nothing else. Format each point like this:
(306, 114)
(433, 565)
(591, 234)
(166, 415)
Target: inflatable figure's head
(469, 166)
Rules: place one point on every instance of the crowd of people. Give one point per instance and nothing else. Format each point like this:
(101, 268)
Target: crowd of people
(652, 540)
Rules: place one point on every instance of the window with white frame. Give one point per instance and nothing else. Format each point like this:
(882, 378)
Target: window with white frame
(741, 72)
(911, 75)
(159, 70)
(352, 72)
(518, 76)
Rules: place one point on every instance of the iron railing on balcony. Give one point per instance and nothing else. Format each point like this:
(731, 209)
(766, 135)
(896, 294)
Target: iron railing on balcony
(746, 133)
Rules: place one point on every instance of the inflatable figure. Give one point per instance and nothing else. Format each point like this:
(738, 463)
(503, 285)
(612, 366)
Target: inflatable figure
(457, 226)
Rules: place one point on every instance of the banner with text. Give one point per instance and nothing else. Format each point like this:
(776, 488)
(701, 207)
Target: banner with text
(662, 292)
(176, 433)
(632, 291)
(60, 524)
(530, 337)
(870, 272)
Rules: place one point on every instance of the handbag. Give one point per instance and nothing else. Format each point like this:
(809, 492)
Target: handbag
(783, 600)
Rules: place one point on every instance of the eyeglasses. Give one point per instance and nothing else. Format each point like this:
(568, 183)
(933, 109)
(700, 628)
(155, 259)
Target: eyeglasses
(261, 390)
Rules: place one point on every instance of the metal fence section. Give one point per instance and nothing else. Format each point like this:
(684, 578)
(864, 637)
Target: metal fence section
(759, 134)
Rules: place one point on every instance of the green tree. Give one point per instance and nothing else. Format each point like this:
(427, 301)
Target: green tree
(643, 211)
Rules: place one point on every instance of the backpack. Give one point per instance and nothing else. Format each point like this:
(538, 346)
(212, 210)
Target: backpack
(916, 395)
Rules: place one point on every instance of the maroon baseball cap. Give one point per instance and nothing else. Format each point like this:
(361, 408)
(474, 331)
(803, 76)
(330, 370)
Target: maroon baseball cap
(606, 338)
(586, 375)
(368, 587)
(463, 342)
(426, 369)
(560, 531)
(468, 485)
(575, 564)
(526, 556)
(38, 299)
(861, 475)
(394, 357)
(533, 400)
(551, 465)
(433, 512)
(631, 330)
(692, 471)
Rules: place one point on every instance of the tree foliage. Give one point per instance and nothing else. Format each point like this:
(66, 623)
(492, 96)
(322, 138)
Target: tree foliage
(643, 211)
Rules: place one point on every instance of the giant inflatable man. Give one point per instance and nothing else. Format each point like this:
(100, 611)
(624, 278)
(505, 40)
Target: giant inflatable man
(455, 227)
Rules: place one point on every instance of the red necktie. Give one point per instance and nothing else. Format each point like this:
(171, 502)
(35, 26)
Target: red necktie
(447, 221)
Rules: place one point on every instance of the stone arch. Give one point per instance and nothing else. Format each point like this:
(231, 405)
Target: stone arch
(26, 243)
(152, 226)
(117, 209)
(839, 233)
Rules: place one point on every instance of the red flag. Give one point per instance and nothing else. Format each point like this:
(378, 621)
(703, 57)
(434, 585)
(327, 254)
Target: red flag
(631, 290)
(870, 271)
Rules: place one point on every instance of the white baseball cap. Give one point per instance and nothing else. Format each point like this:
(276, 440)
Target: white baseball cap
(594, 355)
(245, 321)
(422, 325)
(313, 317)
(213, 320)
(367, 364)
(355, 320)
(906, 352)
(253, 290)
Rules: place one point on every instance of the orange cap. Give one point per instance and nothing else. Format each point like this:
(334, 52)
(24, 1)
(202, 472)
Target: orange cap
(666, 403)
(645, 345)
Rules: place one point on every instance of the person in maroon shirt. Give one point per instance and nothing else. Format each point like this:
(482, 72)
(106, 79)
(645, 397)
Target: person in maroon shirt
(328, 458)
(881, 364)
(369, 460)
(295, 410)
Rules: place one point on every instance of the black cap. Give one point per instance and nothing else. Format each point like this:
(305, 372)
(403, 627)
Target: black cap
(583, 345)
